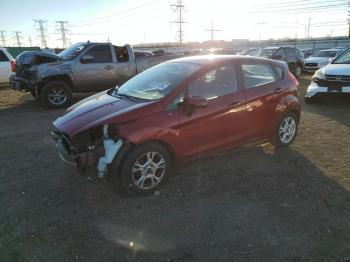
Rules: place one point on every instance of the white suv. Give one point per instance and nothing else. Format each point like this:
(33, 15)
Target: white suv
(332, 78)
(7, 66)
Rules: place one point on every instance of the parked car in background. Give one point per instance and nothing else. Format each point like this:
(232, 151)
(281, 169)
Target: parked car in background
(179, 109)
(7, 66)
(142, 54)
(83, 67)
(330, 79)
(320, 59)
(309, 52)
(289, 54)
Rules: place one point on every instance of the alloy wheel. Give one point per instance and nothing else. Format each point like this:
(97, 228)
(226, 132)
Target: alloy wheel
(57, 96)
(148, 170)
(287, 130)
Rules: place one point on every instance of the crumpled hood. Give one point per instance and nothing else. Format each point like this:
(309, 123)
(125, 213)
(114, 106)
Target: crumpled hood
(336, 69)
(317, 60)
(36, 58)
(93, 111)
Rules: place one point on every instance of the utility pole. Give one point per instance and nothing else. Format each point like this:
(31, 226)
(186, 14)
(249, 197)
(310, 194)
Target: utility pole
(108, 41)
(349, 19)
(30, 41)
(212, 30)
(178, 7)
(308, 28)
(42, 30)
(62, 27)
(18, 38)
(3, 37)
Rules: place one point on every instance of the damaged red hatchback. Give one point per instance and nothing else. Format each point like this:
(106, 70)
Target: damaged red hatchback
(178, 109)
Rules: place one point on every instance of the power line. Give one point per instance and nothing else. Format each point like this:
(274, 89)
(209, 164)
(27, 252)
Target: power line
(3, 37)
(63, 29)
(179, 8)
(18, 38)
(212, 30)
(42, 30)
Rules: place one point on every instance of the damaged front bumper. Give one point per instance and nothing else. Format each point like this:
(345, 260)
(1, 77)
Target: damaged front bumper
(314, 88)
(63, 148)
(20, 84)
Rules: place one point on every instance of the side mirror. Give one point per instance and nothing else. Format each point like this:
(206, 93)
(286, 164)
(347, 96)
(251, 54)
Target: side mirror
(87, 59)
(196, 102)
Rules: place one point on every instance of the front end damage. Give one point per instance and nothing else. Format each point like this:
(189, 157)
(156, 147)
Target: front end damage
(29, 70)
(96, 147)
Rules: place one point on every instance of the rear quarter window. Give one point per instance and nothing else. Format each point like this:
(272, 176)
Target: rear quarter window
(256, 75)
(3, 57)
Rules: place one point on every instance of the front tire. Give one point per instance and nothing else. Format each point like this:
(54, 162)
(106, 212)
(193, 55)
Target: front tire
(286, 130)
(56, 94)
(145, 168)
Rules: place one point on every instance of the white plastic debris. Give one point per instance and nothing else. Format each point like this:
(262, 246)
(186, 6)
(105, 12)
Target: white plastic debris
(111, 148)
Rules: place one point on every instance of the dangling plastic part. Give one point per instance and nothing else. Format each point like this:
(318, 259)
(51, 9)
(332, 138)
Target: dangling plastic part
(111, 148)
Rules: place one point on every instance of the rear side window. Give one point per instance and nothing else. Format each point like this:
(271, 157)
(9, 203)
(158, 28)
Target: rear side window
(215, 83)
(101, 54)
(3, 57)
(122, 53)
(257, 75)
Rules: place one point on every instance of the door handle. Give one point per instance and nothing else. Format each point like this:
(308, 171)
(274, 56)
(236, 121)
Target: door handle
(278, 90)
(235, 104)
(109, 67)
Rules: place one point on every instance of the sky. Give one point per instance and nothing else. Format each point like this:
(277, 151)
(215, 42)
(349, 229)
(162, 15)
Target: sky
(149, 21)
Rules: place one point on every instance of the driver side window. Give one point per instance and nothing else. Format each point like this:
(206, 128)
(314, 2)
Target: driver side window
(101, 54)
(215, 83)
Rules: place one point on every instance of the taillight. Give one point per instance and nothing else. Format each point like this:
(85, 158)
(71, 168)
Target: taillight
(13, 62)
(293, 78)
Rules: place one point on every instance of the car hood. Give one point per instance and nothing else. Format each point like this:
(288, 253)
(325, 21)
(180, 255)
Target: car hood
(336, 69)
(317, 59)
(36, 58)
(96, 110)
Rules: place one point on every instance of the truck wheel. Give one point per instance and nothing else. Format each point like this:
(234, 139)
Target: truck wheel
(56, 94)
(286, 130)
(35, 95)
(145, 169)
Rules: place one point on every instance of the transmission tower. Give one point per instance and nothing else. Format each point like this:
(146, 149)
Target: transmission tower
(30, 41)
(18, 38)
(178, 7)
(62, 27)
(3, 37)
(42, 30)
(212, 30)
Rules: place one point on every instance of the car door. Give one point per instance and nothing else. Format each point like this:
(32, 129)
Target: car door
(5, 68)
(263, 94)
(98, 73)
(220, 123)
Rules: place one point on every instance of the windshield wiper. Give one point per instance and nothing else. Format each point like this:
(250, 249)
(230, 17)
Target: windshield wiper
(133, 98)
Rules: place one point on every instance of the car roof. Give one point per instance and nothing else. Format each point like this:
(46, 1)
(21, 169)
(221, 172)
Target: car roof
(208, 59)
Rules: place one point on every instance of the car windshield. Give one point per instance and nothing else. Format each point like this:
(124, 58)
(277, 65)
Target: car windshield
(268, 52)
(156, 82)
(343, 58)
(327, 54)
(72, 51)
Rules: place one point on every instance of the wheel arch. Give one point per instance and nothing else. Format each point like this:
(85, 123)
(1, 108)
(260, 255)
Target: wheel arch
(64, 78)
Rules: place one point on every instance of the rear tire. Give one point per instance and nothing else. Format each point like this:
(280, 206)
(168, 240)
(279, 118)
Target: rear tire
(286, 130)
(297, 71)
(145, 168)
(56, 94)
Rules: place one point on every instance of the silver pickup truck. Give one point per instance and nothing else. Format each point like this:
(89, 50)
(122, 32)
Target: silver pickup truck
(83, 67)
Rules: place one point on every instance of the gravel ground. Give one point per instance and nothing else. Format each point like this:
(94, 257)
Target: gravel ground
(251, 204)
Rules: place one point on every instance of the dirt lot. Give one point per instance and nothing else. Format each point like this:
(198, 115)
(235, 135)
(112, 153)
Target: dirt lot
(252, 204)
